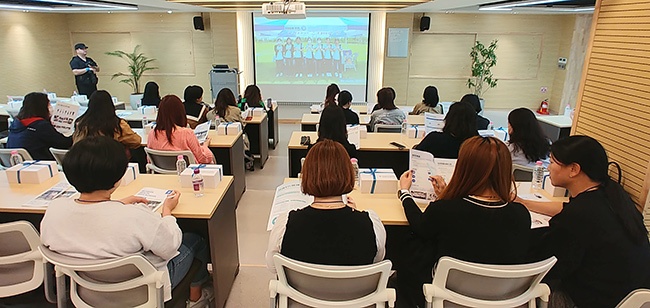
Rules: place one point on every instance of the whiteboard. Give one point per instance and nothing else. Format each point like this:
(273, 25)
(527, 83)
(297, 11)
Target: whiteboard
(398, 42)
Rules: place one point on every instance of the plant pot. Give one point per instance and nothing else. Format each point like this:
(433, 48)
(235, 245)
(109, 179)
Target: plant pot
(136, 100)
(482, 101)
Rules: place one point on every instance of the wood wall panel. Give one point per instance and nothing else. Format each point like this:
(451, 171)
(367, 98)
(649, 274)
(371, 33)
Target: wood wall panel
(613, 102)
(440, 55)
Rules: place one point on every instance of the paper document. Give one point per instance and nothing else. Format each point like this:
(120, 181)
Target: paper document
(354, 135)
(63, 117)
(534, 197)
(201, 131)
(154, 196)
(538, 220)
(433, 122)
(287, 197)
(424, 165)
(60, 190)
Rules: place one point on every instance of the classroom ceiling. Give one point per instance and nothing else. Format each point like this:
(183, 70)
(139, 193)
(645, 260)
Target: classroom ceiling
(414, 6)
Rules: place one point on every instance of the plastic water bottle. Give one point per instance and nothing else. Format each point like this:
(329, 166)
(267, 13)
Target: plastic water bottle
(197, 183)
(180, 165)
(145, 121)
(567, 110)
(217, 121)
(355, 166)
(15, 158)
(538, 175)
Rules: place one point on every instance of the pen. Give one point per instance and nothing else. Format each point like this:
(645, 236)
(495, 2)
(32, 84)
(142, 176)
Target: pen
(538, 196)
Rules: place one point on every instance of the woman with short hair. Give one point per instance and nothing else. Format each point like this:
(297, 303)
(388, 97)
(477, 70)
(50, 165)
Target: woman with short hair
(332, 126)
(345, 102)
(32, 130)
(321, 232)
(388, 112)
(430, 102)
(195, 109)
(252, 98)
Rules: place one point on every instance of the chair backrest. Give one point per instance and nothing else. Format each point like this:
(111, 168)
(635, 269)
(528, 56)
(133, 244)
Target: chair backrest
(165, 161)
(130, 281)
(21, 265)
(58, 155)
(639, 298)
(484, 285)
(388, 128)
(5, 155)
(522, 173)
(316, 285)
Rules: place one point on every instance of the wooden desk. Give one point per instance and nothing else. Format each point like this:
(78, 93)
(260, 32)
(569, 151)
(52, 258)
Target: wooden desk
(211, 216)
(310, 120)
(274, 132)
(555, 127)
(134, 118)
(229, 152)
(257, 130)
(375, 151)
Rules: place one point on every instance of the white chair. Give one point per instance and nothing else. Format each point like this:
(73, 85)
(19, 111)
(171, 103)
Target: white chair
(522, 173)
(639, 298)
(301, 284)
(165, 161)
(5, 156)
(58, 155)
(483, 285)
(21, 265)
(388, 128)
(130, 281)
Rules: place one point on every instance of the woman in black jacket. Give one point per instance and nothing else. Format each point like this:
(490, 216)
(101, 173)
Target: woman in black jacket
(32, 130)
(332, 126)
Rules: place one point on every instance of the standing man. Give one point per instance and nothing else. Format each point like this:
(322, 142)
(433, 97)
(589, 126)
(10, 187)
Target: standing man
(84, 70)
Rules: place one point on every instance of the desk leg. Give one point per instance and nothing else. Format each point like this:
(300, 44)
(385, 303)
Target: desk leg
(224, 250)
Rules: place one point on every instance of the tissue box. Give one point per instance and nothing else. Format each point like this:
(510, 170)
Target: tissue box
(230, 128)
(15, 105)
(314, 109)
(132, 171)
(147, 110)
(255, 112)
(32, 172)
(415, 131)
(212, 175)
(377, 181)
(553, 190)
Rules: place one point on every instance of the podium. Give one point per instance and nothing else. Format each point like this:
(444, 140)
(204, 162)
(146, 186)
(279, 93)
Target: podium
(223, 77)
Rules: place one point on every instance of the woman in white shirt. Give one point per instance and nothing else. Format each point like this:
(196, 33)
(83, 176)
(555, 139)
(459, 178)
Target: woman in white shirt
(527, 142)
(94, 226)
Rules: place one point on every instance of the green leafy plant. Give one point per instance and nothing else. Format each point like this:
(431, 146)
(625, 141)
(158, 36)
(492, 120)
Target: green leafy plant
(483, 60)
(138, 64)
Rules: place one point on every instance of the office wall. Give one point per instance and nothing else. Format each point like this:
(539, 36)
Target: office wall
(613, 104)
(184, 55)
(529, 47)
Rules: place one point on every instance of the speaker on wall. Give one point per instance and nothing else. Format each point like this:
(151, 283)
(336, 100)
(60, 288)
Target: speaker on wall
(198, 23)
(425, 21)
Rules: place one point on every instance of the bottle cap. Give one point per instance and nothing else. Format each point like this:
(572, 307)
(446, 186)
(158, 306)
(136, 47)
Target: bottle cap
(14, 152)
(354, 160)
(539, 163)
(196, 170)
(179, 157)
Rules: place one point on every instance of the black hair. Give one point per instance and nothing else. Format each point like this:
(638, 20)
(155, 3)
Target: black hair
(225, 98)
(386, 98)
(345, 97)
(151, 96)
(330, 94)
(100, 118)
(35, 104)
(527, 136)
(332, 125)
(473, 100)
(95, 163)
(192, 94)
(430, 96)
(592, 158)
(460, 121)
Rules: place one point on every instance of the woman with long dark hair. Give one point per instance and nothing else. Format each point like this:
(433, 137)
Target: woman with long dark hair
(332, 126)
(527, 142)
(330, 95)
(172, 134)
(151, 96)
(473, 99)
(33, 131)
(460, 124)
(252, 97)
(598, 236)
(100, 120)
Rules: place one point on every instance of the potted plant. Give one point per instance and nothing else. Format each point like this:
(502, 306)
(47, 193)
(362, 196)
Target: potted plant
(138, 64)
(483, 60)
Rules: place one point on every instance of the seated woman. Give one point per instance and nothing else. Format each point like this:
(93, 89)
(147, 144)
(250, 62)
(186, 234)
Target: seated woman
(321, 232)
(195, 108)
(429, 103)
(598, 236)
(100, 120)
(332, 127)
(527, 142)
(172, 134)
(472, 99)
(225, 106)
(460, 124)
(122, 227)
(252, 98)
(151, 96)
(389, 113)
(33, 131)
(345, 101)
(330, 95)
(377, 106)
(473, 219)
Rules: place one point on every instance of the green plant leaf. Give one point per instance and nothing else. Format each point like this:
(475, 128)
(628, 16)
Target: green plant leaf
(137, 62)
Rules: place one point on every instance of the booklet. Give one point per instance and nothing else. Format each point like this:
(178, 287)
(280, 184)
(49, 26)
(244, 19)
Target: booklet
(433, 122)
(154, 196)
(287, 197)
(201, 131)
(60, 190)
(354, 135)
(63, 117)
(423, 165)
(538, 220)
